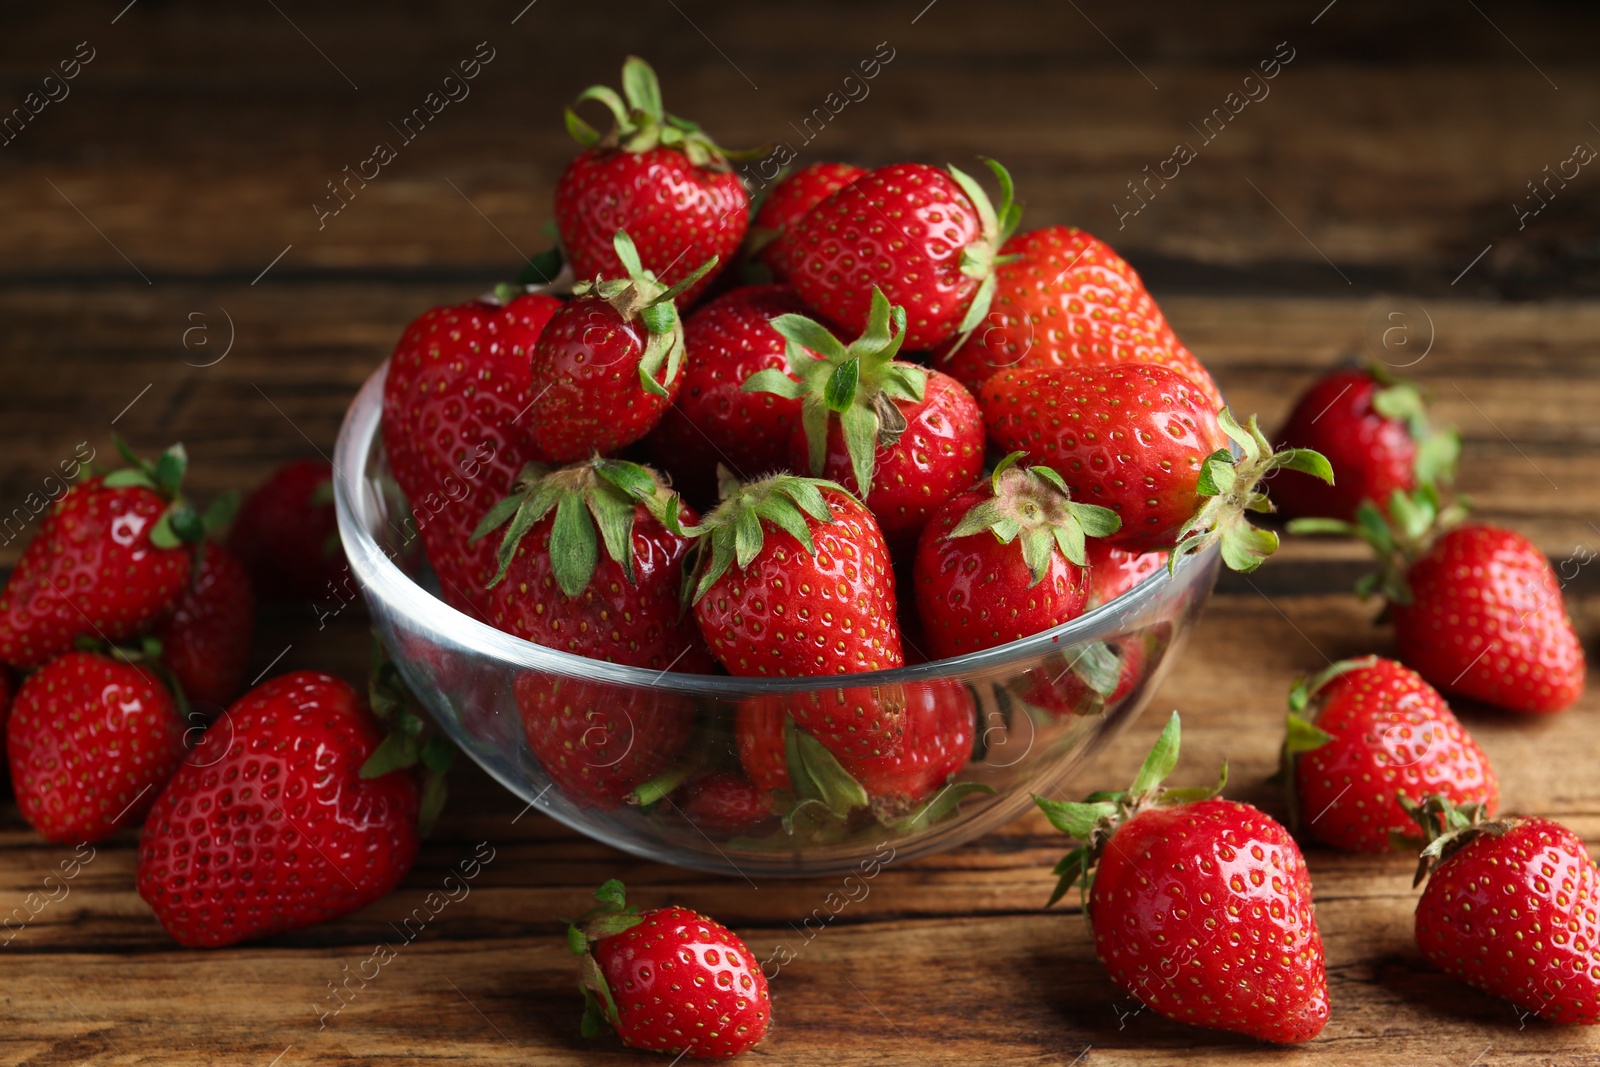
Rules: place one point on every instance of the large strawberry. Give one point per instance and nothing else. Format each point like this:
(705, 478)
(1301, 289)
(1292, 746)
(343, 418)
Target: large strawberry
(1363, 733)
(713, 421)
(655, 175)
(607, 366)
(1142, 440)
(928, 238)
(90, 742)
(111, 557)
(456, 429)
(1063, 298)
(789, 201)
(1004, 560)
(668, 980)
(1375, 433)
(1201, 907)
(1510, 909)
(206, 640)
(281, 830)
(912, 437)
(287, 535)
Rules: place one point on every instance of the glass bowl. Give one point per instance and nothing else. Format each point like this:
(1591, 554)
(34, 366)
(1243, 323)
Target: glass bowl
(972, 739)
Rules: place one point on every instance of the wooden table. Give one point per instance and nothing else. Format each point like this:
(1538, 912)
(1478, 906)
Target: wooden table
(165, 276)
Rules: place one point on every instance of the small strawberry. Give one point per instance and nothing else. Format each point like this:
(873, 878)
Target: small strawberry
(668, 980)
(712, 421)
(90, 742)
(287, 535)
(912, 436)
(1200, 907)
(1114, 571)
(1063, 298)
(1375, 433)
(788, 203)
(1510, 909)
(928, 238)
(281, 831)
(455, 426)
(609, 363)
(726, 803)
(656, 176)
(205, 642)
(1477, 609)
(1360, 735)
(1005, 560)
(1141, 440)
(110, 558)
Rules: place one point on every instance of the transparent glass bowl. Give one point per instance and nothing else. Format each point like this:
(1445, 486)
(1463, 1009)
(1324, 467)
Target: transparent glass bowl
(1008, 722)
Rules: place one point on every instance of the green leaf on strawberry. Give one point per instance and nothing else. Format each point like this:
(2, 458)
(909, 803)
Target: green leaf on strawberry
(1034, 505)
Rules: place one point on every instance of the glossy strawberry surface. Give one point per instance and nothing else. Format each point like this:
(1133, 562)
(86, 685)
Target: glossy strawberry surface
(1372, 455)
(790, 199)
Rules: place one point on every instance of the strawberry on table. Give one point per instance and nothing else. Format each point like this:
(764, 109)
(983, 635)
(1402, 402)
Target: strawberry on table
(1005, 560)
(205, 642)
(1510, 909)
(287, 535)
(912, 437)
(1200, 907)
(456, 428)
(90, 742)
(1365, 732)
(655, 175)
(668, 980)
(788, 203)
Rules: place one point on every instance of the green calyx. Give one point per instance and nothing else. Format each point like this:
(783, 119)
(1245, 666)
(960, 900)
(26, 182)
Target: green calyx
(640, 296)
(1446, 829)
(736, 530)
(1301, 733)
(594, 503)
(1414, 521)
(410, 740)
(610, 916)
(979, 258)
(1097, 818)
(1438, 448)
(180, 523)
(859, 384)
(1233, 489)
(1034, 506)
(641, 121)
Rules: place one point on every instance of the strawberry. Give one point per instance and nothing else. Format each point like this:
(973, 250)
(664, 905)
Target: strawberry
(90, 742)
(1477, 609)
(1375, 433)
(726, 803)
(1200, 907)
(1114, 571)
(726, 341)
(668, 980)
(205, 642)
(287, 535)
(1005, 560)
(1364, 732)
(656, 176)
(111, 557)
(1141, 440)
(611, 593)
(912, 436)
(1510, 909)
(788, 203)
(455, 426)
(609, 363)
(8, 691)
(927, 237)
(281, 831)
(1063, 298)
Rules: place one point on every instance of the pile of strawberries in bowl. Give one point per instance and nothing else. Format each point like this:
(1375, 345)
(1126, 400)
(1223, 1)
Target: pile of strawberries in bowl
(777, 530)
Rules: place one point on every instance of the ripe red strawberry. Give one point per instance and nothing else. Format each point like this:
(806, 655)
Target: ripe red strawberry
(1141, 440)
(585, 567)
(1114, 571)
(287, 536)
(456, 429)
(206, 640)
(656, 176)
(712, 421)
(726, 803)
(609, 363)
(1063, 298)
(1201, 907)
(929, 239)
(788, 203)
(912, 436)
(1005, 560)
(668, 980)
(1510, 909)
(110, 558)
(90, 742)
(1361, 734)
(1375, 433)
(282, 831)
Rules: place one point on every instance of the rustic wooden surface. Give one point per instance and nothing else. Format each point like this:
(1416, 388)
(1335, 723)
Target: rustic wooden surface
(152, 200)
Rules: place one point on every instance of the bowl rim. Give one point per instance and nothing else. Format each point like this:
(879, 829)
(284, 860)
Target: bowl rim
(378, 575)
